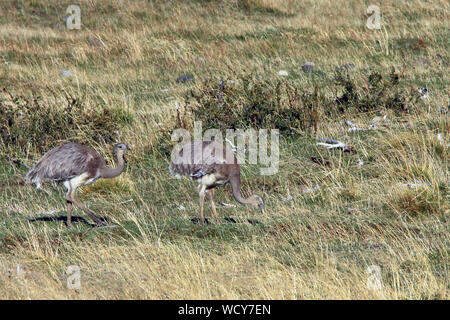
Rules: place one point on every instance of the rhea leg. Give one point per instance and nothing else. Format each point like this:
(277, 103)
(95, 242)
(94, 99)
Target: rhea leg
(213, 206)
(201, 195)
(80, 205)
(72, 186)
(69, 205)
(69, 213)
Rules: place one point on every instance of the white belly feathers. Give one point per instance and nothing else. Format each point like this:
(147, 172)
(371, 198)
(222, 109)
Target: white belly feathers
(210, 180)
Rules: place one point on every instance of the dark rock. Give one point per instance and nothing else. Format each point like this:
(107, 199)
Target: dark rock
(308, 66)
(197, 221)
(228, 219)
(348, 66)
(185, 78)
(320, 161)
(442, 60)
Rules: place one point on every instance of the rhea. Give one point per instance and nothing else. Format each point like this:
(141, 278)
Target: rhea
(76, 165)
(211, 164)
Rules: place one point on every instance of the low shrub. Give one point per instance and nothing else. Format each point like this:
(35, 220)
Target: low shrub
(257, 104)
(375, 94)
(27, 122)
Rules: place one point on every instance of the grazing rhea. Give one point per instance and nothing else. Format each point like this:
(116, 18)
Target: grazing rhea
(211, 164)
(75, 165)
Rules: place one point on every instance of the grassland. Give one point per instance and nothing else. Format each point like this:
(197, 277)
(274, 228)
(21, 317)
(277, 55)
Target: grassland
(317, 246)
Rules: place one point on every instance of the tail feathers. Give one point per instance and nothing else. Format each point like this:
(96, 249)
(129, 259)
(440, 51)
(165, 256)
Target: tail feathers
(30, 177)
(33, 176)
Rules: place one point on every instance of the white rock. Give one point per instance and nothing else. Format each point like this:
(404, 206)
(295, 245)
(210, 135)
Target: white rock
(66, 73)
(378, 119)
(423, 93)
(309, 190)
(227, 205)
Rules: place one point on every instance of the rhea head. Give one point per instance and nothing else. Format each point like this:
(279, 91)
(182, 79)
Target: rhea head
(120, 149)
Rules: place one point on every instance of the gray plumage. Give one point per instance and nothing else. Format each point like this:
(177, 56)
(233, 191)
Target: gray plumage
(65, 162)
(75, 165)
(211, 164)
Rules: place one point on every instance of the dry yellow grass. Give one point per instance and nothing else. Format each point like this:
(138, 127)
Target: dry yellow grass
(317, 247)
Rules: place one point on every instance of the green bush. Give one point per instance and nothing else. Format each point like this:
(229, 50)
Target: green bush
(27, 122)
(376, 93)
(263, 104)
(258, 104)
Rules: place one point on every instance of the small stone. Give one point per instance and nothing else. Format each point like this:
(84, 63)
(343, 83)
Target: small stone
(200, 59)
(283, 73)
(19, 270)
(227, 204)
(353, 211)
(308, 66)
(66, 73)
(378, 119)
(310, 190)
(421, 62)
(198, 221)
(423, 93)
(442, 60)
(231, 220)
(348, 66)
(95, 42)
(185, 78)
(443, 109)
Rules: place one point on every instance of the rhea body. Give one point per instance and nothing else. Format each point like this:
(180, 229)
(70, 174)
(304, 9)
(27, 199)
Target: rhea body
(75, 165)
(211, 164)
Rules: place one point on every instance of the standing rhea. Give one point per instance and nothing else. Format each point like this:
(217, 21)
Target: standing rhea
(75, 165)
(211, 164)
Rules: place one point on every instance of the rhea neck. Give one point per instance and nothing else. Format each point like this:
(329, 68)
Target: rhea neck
(235, 182)
(108, 172)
